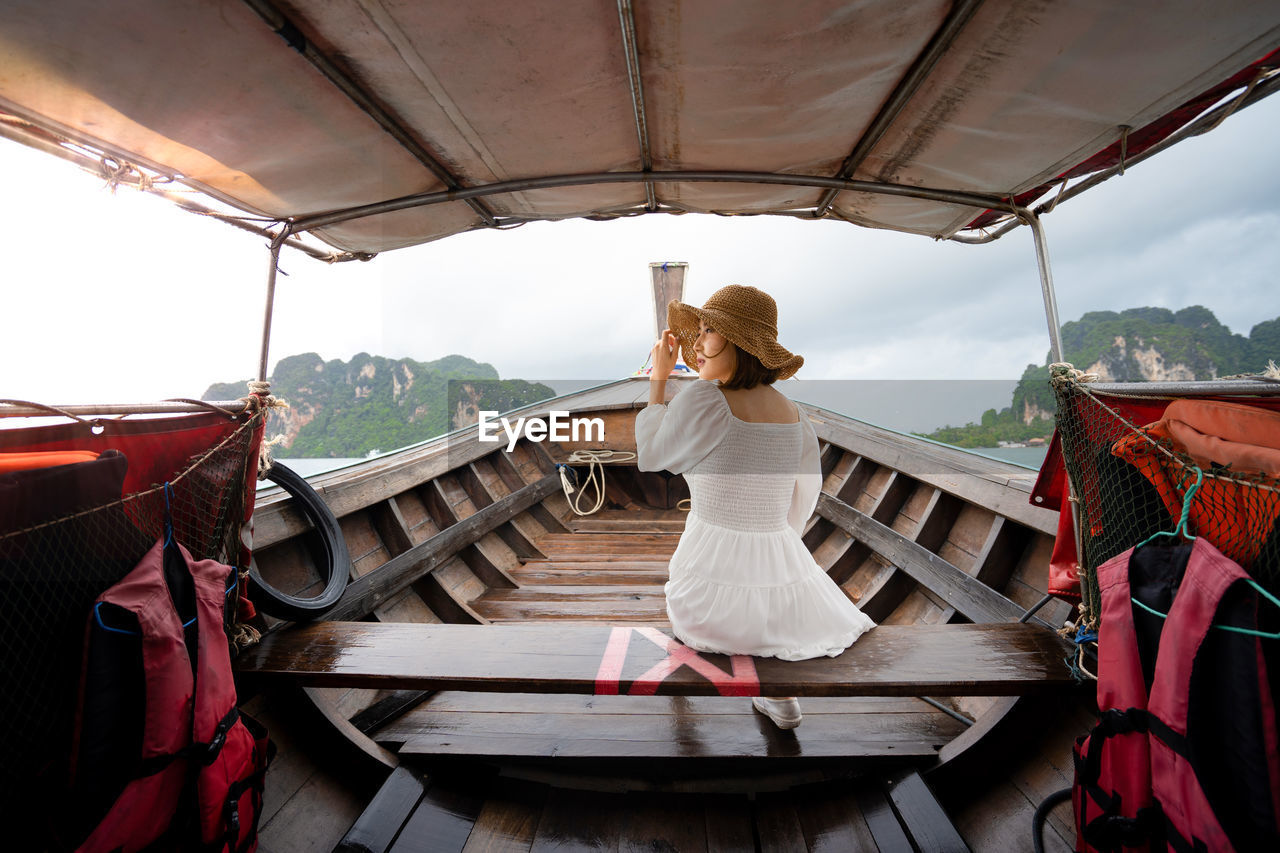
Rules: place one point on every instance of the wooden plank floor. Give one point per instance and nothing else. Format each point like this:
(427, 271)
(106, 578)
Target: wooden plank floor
(611, 571)
(501, 815)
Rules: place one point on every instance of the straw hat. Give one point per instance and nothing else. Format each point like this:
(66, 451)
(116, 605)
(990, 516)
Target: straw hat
(746, 316)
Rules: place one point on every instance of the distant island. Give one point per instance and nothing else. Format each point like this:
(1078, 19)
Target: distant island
(1137, 345)
(372, 404)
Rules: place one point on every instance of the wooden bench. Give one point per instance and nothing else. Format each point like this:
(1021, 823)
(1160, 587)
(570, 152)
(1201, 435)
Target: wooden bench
(891, 660)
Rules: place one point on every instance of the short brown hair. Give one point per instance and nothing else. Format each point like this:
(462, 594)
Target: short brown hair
(749, 372)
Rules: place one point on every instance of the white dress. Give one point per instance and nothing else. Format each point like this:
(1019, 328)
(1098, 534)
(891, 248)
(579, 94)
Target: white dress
(741, 580)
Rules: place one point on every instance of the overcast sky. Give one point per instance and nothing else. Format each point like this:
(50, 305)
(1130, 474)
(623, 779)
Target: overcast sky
(122, 298)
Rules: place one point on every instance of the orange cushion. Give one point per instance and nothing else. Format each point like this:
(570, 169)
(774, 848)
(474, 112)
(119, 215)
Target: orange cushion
(43, 459)
(1213, 432)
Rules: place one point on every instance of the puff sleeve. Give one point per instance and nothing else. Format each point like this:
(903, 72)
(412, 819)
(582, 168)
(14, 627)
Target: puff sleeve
(678, 435)
(804, 497)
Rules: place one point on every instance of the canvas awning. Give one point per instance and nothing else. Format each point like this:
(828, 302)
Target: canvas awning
(294, 109)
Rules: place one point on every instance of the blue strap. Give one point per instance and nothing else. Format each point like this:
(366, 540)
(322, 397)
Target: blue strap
(97, 615)
(1181, 529)
(168, 518)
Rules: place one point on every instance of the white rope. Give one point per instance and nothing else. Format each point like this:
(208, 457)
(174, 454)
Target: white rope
(595, 475)
(1263, 74)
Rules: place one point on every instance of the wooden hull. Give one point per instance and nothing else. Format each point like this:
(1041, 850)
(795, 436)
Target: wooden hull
(455, 531)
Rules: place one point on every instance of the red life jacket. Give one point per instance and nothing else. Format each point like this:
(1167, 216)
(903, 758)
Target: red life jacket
(1184, 755)
(198, 752)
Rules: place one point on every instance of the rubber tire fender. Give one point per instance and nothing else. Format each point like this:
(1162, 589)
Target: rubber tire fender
(335, 567)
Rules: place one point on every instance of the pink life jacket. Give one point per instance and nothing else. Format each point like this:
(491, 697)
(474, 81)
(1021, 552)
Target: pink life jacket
(1192, 764)
(197, 750)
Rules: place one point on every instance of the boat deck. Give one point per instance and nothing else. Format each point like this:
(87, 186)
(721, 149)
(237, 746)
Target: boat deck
(587, 581)
(451, 539)
(414, 812)
(611, 571)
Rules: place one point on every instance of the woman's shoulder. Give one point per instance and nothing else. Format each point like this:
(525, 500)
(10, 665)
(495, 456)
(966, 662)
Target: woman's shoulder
(763, 404)
(702, 401)
(701, 391)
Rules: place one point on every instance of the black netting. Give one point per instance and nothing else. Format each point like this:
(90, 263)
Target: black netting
(66, 535)
(1132, 476)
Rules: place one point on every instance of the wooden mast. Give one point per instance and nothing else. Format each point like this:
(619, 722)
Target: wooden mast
(668, 283)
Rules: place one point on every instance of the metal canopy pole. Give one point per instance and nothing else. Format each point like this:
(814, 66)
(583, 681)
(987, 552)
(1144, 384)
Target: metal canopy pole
(1046, 284)
(271, 299)
(902, 94)
(394, 125)
(963, 198)
(22, 409)
(630, 47)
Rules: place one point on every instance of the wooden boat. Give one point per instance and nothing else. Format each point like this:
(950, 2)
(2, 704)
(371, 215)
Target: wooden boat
(494, 675)
(918, 534)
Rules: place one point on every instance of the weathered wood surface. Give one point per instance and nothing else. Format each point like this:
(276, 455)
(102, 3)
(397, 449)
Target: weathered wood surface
(974, 599)
(362, 485)
(932, 660)
(371, 590)
(494, 814)
(1000, 486)
(658, 728)
(383, 818)
(922, 815)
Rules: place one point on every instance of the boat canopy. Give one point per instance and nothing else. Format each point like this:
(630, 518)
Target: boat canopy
(379, 124)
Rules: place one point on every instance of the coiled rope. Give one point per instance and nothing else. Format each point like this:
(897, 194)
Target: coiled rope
(595, 476)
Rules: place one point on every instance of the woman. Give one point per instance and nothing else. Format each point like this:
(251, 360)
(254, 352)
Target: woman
(741, 581)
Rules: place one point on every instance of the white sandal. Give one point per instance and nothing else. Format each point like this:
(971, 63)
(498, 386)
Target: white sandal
(785, 713)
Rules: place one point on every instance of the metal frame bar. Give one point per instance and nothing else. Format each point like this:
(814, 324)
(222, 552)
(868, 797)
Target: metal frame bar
(271, 299)
(91, 410)
(392, 124)
(1046, 284)
(902, 94)
(35, 137)
(959, 197)
(1203, 124)
(630, 46)
(1260, 387)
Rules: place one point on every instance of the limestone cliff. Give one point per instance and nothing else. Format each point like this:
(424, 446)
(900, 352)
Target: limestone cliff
(371, 403)
(1136, 345)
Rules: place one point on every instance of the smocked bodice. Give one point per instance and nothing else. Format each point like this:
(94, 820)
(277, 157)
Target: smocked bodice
(747, 481)
(750, 477)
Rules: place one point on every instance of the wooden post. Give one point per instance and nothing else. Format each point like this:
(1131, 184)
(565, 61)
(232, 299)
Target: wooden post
(668, 283)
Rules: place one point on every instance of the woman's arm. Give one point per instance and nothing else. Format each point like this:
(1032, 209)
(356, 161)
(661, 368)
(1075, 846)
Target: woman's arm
(676, 437)
(663, 359)
(657, 391)
(804, 497)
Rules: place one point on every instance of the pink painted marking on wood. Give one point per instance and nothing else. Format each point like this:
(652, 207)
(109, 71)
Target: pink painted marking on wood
(615, 655)
(743, 682)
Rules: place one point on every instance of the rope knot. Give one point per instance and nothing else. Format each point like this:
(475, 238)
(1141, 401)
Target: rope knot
(1065, 373)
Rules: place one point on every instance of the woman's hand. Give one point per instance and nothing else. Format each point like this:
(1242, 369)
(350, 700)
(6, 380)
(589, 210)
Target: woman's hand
(663, 357)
